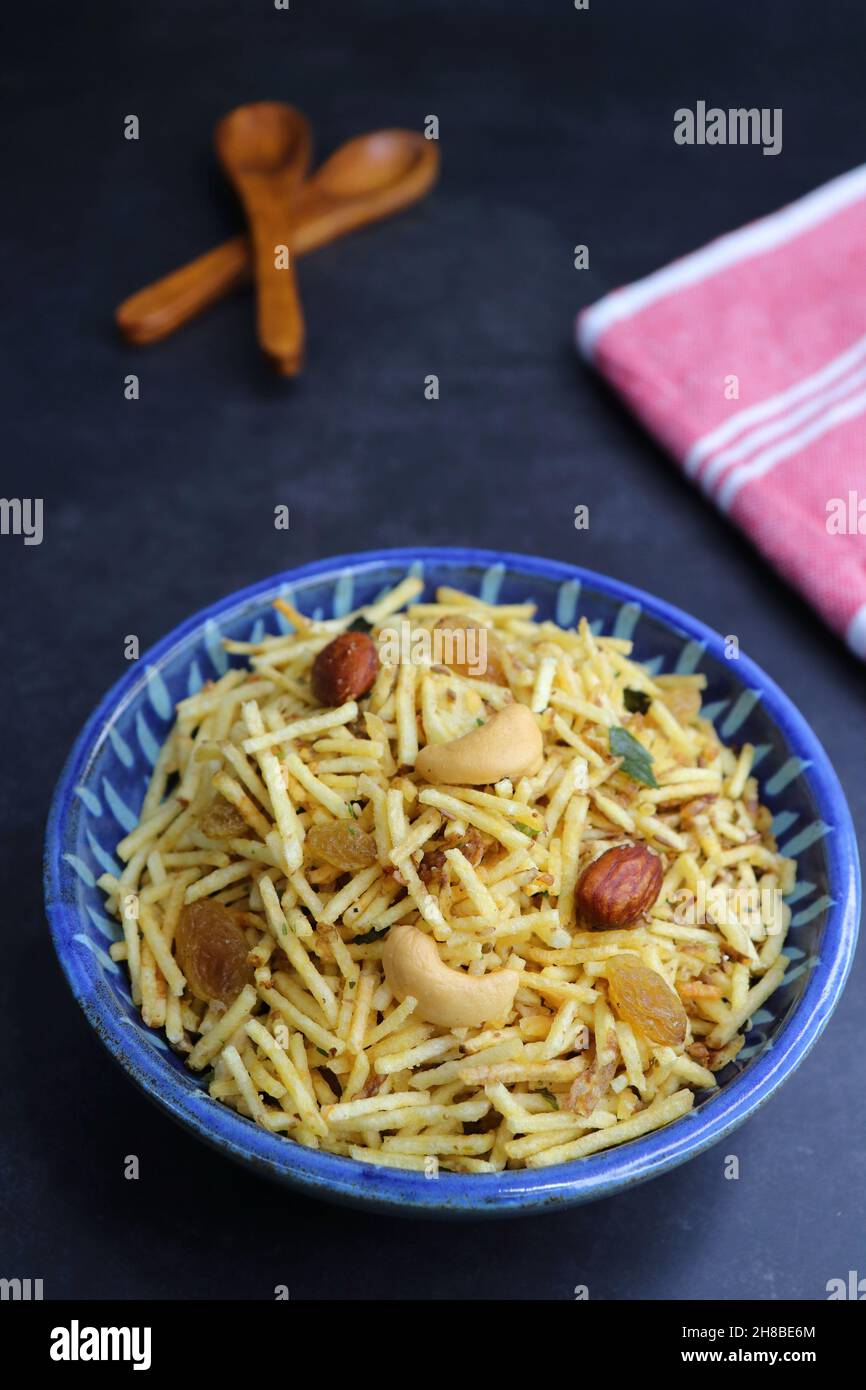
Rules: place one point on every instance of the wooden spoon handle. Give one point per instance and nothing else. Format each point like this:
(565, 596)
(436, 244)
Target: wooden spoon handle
(268, 202)
(160, 308)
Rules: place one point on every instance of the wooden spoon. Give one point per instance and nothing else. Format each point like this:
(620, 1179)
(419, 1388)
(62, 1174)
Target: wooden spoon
(366, 179)
(265, 150)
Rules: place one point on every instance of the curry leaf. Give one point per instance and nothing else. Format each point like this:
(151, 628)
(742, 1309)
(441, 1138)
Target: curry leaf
(370, 936)
(527, 829)
(636, 761)
(636, 701)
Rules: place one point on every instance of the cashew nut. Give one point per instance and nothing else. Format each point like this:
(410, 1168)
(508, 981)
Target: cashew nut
(508, 745)
(450, 998)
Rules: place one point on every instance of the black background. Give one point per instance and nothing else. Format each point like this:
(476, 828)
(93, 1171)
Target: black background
(556, 128)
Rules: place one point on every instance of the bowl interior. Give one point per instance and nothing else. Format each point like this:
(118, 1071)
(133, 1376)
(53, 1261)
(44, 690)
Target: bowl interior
(111, 765)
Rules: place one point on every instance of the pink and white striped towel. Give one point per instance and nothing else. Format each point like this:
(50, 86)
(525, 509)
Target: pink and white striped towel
(747, 361)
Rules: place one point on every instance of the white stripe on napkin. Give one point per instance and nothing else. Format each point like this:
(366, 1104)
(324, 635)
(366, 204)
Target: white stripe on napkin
(856, 634)
(785, 424)
(753, 414)
(751, 240)
(763, 463)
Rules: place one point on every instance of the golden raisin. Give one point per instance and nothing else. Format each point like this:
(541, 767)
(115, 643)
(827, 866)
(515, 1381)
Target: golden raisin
(223, 821)
(469, 649)
(212, 951)
(684, 702)
(342, 844)
(433, 866)
(643, 998)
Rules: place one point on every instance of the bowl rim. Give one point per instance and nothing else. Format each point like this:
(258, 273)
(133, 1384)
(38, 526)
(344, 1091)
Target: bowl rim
(510, 1192)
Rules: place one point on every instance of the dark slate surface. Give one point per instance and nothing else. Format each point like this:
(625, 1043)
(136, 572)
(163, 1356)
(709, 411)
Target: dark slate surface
(556, 128)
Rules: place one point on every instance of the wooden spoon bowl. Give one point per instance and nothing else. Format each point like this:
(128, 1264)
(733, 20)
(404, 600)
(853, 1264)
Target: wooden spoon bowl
(262, 137)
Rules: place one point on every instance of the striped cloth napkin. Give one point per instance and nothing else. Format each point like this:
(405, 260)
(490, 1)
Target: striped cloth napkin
(747, 361)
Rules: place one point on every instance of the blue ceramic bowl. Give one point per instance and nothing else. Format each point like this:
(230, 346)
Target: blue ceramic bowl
(102, 786)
